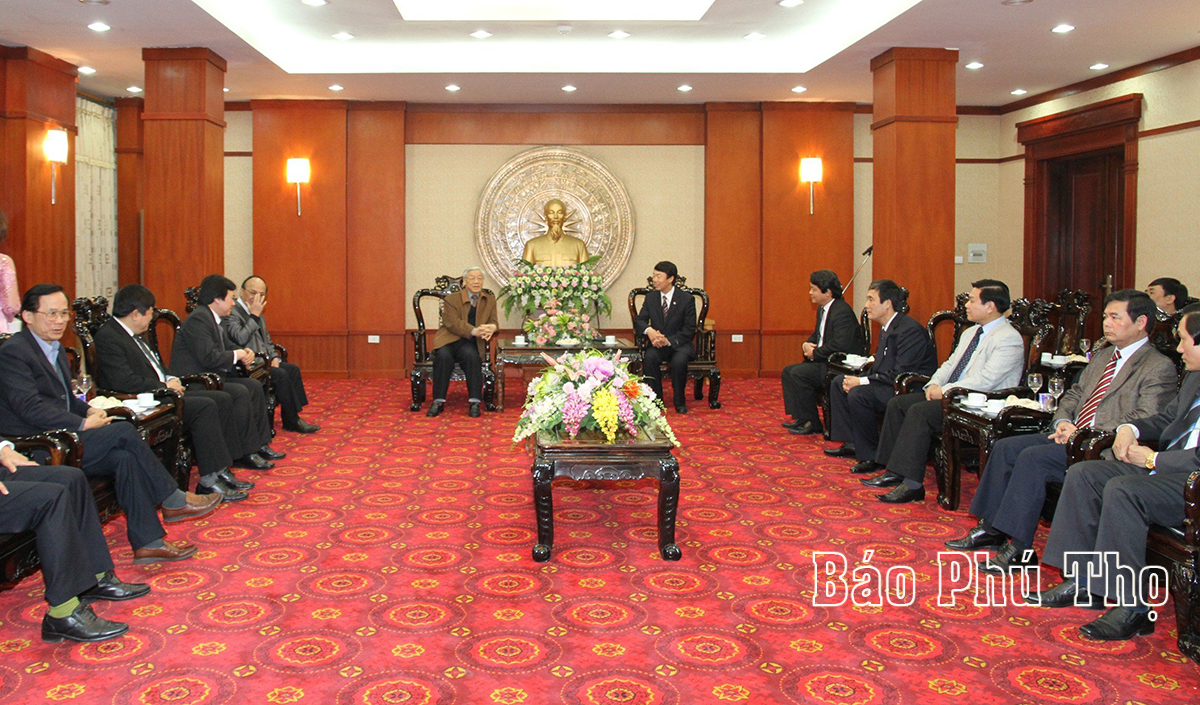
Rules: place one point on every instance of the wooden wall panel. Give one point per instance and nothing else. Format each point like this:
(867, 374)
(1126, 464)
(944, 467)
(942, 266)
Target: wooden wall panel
(131, 192)
(796, 243)
(320, 355)
(383, 359)
(303, 258)
(430, 124)
(780, 350)
(739, 359)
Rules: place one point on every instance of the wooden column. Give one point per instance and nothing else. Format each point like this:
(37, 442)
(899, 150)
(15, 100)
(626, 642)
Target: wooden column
(914, 126)
(37, 94)
(183, 156)
(131, 190)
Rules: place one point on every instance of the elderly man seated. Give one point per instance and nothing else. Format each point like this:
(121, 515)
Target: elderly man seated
(468, 322)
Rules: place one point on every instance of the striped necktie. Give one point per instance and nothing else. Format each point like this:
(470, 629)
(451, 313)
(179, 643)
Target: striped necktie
(966, 358)
(1087, 415)
(666, 304)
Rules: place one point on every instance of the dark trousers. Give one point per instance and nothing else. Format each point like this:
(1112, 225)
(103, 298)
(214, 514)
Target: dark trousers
(56, 504)
(465, 352)
(1108, 506)
(854, 415)
(909, 426)
(679, 357)
(289, 391)
(203, 412)
(801, 383)
(1012, 488)
(142, 483)
(250, 403)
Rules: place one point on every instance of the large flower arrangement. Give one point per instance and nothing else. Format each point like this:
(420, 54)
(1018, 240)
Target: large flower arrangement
(533, 287)
(591, 390)
(558, 325)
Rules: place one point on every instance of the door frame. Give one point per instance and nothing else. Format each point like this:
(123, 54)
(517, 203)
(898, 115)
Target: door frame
(1075, 133)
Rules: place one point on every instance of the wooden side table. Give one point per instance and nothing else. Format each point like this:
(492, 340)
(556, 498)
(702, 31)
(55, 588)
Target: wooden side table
(593, 459)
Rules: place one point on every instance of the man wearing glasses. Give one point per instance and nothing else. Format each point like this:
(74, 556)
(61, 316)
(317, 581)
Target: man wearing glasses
(35, 396)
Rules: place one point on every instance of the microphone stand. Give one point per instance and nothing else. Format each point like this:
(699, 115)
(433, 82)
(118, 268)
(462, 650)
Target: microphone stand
(866, 256)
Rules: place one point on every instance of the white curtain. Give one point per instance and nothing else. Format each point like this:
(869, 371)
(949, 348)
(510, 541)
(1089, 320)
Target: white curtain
(95, 199)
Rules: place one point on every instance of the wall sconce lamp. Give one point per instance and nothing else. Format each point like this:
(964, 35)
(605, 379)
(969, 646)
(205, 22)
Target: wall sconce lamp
(298, 172)
(55, 148)
(810, 171)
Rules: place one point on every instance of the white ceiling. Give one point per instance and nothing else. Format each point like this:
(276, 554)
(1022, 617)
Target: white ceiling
(824, 45)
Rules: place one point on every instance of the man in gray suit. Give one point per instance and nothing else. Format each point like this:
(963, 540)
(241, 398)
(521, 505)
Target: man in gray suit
(247, 328)
(1126, 381)
(989, 356)
(1107, 506)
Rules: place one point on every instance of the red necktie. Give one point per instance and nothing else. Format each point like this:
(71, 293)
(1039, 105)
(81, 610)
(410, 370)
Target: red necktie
(1087, 415)
(666, 304)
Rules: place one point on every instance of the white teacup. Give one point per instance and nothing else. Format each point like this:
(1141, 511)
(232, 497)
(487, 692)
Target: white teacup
(1059, 359)
(854, 360)
(519, 340)
(610, 340)
(994, 405)
(976, 399)
(146, 398)
(1046, 357)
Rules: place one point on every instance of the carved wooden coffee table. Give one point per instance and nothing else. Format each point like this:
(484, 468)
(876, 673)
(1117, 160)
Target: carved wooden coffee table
(592, 459)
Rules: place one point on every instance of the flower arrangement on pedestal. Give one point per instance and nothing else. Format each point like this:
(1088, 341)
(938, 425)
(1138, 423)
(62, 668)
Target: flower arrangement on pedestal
(591, 390)
(534, 287)
(561, 326)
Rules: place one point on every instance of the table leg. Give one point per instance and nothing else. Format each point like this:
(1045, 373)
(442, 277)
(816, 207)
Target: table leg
(543, 504)
(668, 503)
(499, 400)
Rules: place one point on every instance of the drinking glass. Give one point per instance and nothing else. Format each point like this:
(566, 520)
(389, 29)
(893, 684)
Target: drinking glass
(1085, 347)
(1034, 381)
(83, 384)
(1055, 387)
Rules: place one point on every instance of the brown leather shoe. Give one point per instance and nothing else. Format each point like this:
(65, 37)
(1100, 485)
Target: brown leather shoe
(169, 552)
(196, 507)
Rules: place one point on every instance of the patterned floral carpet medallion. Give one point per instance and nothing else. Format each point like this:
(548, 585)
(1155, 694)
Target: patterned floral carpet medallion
(387, 561)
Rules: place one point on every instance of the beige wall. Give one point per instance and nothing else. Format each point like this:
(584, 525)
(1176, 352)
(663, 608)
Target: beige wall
(239, 196)
(445, 182)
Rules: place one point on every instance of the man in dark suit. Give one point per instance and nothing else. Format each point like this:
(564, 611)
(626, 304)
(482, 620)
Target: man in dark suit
(126, 364)
(904, 346)
(247, 328)
(669, 321)
(469, 321)
(1168, 293)
(1107, 507)
(837, 330)
(990, 355)
(1125, 381)
(201, 345)
(35, 396)
(56, 504)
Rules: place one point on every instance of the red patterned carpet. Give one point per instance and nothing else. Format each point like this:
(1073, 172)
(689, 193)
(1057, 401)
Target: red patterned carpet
(387, 560)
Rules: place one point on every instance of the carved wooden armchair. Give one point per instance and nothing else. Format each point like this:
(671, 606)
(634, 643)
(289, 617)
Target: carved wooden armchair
(704, 367)
(161, 428)
(422, 371)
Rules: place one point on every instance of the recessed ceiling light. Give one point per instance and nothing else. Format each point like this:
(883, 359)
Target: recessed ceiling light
(453, 88)
(99, 27)
(343, 36)
(570, 89)
(619, 34)
(685, 88)
(313, 3)
(87, 70)
(1098, 67)
(134, 89)
(799, 89)
(481, 34)
(1020, 91)
(974, 65)
(336, 87)
(755, 36)
(1063, 28)
(790, 3)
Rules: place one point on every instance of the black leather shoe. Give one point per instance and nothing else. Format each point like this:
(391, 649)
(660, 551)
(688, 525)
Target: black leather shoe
(473, 410)
(901, 495)
(1008, 559)
(863, 467)
(804, 429)
(271, 454)
(228, 476)
(977, 537)
(110, 587)
(435, 408)
(1118, 624)
(254, 461)
(845, 450)
(789, 425)
(228, 492)
(81, 625)
(887, 479)
(681, 408)
(1064, 595)
(301, 426)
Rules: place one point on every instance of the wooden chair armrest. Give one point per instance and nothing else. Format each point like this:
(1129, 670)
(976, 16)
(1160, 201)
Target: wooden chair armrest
(909, 382)
(63, 446)
(121, 412)
(281, 352)
(706, 350)
(420, 345)
(1087, 444)
(210, 380)
(1191, 515)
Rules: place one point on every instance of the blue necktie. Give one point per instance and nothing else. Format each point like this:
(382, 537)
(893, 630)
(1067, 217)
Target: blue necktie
(966, 358)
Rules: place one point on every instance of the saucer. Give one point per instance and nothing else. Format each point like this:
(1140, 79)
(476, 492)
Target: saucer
(520, 345)
(964, 402)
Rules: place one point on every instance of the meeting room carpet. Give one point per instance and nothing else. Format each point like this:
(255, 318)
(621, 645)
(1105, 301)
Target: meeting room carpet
(387, 560)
